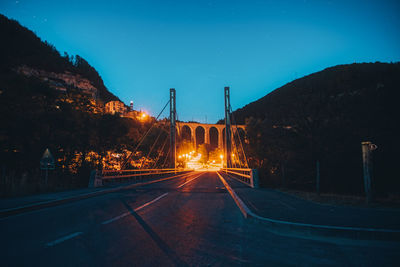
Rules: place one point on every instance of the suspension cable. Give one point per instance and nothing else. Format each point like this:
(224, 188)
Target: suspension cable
(159, 154)
(240, 140)
(143, 137)
(151, 149)
(169, 150)
(235, 149)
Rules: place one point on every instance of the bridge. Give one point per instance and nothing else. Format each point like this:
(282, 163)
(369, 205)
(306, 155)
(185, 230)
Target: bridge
(223, 146)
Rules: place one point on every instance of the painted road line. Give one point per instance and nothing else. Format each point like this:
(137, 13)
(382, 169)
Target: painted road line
(62, 239)
(151, 202)
(243, 208)
(116, 218)
(137, 209)
(190, 180)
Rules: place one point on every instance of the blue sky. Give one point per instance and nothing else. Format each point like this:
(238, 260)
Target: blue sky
(143, 48)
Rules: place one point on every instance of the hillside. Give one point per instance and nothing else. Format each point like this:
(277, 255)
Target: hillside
(324, 117)
(55, 102)
(21, 48)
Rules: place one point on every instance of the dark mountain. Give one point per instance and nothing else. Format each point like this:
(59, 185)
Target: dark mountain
(21, 47)
(324, 117)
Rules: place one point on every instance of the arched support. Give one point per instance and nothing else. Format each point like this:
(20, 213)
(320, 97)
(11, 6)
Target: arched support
(207, 127)
(207, 135)
(220, 138)
(194, 137)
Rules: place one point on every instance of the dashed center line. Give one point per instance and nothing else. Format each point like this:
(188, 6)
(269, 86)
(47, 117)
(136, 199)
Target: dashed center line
(62, 239)
(189, 181)
(137, 209)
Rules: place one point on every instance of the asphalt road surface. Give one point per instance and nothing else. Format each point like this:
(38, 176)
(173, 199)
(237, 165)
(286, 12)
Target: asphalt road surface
(187, 221)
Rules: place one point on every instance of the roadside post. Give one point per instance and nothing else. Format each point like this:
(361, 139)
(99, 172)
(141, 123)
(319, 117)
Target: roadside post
(367, 148)
(254, 178)
(317, 177)
(47, 163)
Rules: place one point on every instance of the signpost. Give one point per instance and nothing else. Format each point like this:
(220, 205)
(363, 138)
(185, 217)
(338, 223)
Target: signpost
(47, 163)
(367, 148)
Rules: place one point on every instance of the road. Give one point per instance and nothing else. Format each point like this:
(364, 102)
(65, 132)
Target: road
(187, 221)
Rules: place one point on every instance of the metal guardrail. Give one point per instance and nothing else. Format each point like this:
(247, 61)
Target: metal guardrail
(99, 178)
(111, 174)
(246, 176)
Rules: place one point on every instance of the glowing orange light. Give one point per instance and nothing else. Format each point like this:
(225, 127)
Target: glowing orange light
(142, 116)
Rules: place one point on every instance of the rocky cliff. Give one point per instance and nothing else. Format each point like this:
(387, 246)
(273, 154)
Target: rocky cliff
(61, 81)
(27, 55)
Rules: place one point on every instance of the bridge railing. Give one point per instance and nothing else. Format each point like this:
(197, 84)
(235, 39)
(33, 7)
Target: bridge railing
(244, 175)
(99, 178)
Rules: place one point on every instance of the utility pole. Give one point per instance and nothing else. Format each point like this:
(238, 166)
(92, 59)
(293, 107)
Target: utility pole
(228, 140)
(367, 148)
(317, 177)
(172, 116)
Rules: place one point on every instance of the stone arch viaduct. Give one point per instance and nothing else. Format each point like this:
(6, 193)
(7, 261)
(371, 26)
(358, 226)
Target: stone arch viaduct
(207, 128)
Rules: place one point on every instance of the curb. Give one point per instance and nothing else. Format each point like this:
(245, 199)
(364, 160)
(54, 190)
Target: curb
(313, 230)
(51, 203)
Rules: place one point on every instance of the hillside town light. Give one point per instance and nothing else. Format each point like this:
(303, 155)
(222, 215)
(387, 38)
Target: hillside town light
(142, 116)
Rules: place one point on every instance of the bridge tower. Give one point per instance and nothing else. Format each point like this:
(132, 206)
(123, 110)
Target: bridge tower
(172, 115)
(228, 140)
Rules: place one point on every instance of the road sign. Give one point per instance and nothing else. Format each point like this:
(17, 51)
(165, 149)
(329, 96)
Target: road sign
(47, 161)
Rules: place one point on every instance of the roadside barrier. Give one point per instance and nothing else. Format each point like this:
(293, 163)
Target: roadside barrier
(246, 176)
(100, 178)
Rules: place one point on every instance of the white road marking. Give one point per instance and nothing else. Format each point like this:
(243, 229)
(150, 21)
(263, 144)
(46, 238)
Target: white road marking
(137, 209)
(189, 181)
(116, 218)
(151, 202)
(62, 239)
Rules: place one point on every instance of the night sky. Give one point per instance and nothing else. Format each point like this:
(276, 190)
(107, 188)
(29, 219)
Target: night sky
(143, 48)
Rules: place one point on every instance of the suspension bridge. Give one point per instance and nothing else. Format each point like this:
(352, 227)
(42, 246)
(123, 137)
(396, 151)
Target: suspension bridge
(181, 147)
